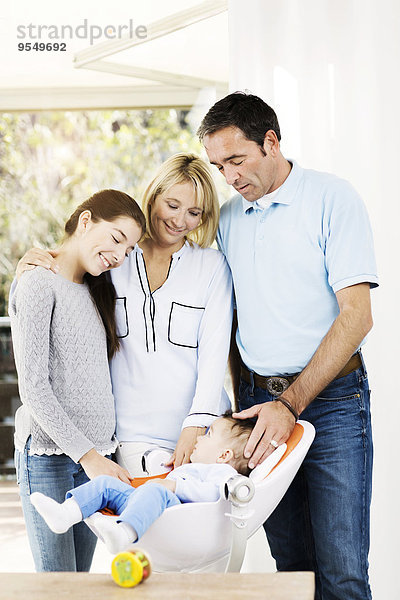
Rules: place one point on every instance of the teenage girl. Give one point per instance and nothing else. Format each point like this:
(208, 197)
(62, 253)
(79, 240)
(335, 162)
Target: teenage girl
(64, 333)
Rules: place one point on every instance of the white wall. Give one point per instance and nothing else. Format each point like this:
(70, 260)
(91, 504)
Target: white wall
(330, 69)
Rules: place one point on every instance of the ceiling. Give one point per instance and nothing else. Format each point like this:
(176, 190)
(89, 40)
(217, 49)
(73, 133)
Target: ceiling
(153, 53)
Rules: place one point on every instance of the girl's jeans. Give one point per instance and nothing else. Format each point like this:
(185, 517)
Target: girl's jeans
(322, 523)
(53, 475)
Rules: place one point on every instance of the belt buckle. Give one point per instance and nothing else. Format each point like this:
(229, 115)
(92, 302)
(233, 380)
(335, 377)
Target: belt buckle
(277, 385)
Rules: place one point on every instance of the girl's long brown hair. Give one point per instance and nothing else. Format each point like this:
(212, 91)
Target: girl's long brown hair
(106, 205)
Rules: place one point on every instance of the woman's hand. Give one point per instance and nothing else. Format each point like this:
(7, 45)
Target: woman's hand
(94, 464)
(185, 446)
(36, 257)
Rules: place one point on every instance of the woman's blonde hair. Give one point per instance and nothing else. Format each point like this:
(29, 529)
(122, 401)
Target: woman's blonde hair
(182, 168)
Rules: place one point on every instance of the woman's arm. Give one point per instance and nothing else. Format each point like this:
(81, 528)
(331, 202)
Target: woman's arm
(213, 347)
(212, 351)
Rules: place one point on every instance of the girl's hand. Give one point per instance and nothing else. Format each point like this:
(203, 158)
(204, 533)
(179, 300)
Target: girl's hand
(94, 464)
(36, 257)
(185, 446)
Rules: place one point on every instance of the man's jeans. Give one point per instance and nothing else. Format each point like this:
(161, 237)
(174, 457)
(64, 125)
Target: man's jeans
(53, 475)
(322, 523)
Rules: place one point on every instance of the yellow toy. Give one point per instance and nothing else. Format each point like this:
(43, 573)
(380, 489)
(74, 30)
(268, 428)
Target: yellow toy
(130, 568)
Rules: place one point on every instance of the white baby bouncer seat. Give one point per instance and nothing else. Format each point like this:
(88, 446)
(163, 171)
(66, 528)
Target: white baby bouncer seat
(212, 536)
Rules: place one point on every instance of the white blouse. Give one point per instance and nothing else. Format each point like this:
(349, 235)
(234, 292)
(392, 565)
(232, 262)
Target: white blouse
(169, 372)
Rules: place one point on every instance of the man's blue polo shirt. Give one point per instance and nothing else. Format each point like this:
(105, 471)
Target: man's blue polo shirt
(288, 261)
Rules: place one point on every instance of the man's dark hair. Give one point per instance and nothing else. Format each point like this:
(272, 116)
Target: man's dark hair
(247, 112)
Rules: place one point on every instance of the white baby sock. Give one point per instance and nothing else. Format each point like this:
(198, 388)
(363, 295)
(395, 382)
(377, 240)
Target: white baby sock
(116, 536)
(59, 517)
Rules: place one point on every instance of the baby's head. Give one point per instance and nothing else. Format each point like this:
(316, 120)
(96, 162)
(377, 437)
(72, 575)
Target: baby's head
(224, 442)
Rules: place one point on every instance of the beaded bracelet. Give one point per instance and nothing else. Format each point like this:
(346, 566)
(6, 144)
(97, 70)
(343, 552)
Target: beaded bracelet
(288, 406)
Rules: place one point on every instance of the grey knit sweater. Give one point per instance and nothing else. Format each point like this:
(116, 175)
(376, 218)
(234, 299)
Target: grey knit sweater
(63, 376)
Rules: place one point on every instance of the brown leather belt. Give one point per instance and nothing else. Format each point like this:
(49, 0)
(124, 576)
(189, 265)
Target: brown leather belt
(277, 384)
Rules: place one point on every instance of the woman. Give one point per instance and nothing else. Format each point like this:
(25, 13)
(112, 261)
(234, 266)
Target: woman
(64, 331)
(174, 313)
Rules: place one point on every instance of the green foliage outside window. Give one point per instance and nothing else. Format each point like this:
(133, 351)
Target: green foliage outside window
(52, 161)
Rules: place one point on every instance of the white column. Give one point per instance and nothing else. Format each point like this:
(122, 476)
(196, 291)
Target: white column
(331, 71)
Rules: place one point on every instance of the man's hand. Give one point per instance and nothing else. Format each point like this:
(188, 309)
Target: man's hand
(35, 257)
(185, 446)
(274, 422)
(94, 464)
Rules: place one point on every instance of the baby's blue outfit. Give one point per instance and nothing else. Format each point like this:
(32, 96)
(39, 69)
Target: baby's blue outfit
(141, 506)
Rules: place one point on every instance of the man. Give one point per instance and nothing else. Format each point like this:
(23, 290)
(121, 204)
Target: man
(300, 248)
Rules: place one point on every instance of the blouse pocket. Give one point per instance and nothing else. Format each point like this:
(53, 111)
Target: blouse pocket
(183, 325)
(121, 317)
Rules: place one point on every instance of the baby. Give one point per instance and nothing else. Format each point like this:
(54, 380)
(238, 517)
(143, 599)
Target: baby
(217, 456)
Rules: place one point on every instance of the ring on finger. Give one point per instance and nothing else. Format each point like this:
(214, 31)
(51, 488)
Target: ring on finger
(274, 443)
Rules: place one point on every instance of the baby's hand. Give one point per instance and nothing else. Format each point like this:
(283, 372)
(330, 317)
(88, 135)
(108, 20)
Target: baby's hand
(170, 484)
